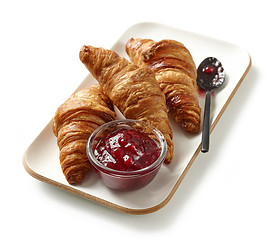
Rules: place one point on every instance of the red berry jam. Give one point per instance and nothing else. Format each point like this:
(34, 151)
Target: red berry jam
(210, 73)
(127, 150)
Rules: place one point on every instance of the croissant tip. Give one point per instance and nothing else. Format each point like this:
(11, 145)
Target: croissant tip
(85, 50)
(128, 45)
(131, 39)
(74, 179)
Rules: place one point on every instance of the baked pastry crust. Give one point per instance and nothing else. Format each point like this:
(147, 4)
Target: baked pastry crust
(134, 90)
(73, 123)
(176, 73)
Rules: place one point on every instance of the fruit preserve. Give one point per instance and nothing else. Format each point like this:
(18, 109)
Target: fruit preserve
(123, 156)
(127, 150)
(210, 73)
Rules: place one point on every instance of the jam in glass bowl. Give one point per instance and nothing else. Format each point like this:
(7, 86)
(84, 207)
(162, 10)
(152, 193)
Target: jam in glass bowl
(126, 154)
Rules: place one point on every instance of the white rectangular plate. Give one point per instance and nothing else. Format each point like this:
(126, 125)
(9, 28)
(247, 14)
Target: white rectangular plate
(41, 159)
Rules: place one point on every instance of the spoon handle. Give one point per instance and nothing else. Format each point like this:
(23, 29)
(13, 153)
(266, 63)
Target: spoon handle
(206, 124)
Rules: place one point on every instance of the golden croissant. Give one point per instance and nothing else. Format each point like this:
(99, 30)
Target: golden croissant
(134, 90)
(73, 123)
(176, 73)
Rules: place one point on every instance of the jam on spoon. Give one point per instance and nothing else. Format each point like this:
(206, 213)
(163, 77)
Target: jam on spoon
(210, 75)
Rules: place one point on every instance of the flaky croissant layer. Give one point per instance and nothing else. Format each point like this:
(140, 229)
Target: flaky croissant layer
(133, 90)
(74, 122)
(176, 73)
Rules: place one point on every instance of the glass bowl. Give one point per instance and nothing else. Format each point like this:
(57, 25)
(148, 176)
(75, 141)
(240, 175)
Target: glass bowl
(131, 179)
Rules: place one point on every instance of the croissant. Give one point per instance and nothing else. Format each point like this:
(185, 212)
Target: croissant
(73, 123)
(134, 90)
(176, 73)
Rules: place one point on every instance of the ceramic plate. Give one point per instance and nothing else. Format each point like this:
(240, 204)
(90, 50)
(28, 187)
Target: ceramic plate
(41, 158)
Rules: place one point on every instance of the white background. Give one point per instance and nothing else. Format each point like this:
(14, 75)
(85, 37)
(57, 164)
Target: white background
(224, 195)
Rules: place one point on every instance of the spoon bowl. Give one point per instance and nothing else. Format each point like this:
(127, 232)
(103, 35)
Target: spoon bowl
(210, 75)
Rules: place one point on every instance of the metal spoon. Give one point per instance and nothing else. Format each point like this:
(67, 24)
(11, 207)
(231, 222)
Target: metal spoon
(210, 75)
